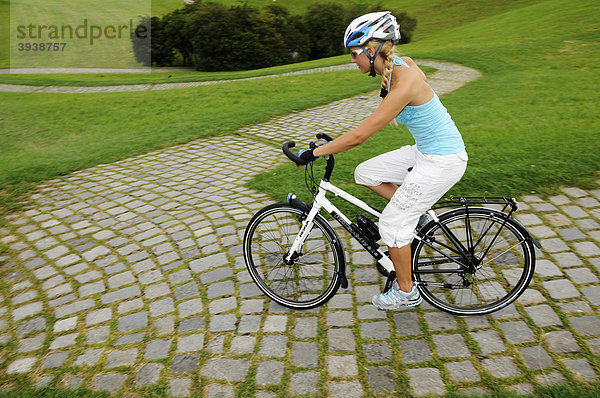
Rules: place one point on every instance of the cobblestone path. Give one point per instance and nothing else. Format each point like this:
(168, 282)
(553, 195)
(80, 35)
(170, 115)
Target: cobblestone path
(131, 274)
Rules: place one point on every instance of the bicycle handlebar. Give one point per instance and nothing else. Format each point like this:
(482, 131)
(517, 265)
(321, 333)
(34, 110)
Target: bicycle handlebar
(290, 144)
(324, 137)
(289, 154)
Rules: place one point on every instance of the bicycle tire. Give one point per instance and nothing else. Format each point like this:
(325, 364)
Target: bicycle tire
(313, 278)
(504, 271)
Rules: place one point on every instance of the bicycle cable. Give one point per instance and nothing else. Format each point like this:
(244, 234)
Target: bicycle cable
(309, 179)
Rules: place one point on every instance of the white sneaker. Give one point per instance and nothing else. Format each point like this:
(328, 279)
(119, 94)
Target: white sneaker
(395, 298)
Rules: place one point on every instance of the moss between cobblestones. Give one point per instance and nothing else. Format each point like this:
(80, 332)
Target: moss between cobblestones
(157, 390)
(51, 392)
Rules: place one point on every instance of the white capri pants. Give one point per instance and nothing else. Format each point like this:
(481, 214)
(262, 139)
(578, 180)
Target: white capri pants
(430, 178)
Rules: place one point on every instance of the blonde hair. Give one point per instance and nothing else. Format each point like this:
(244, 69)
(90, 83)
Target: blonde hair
(387, 52)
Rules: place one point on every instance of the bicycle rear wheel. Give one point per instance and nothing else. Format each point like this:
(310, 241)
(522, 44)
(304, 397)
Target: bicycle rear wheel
(490, 267)
(313, 278)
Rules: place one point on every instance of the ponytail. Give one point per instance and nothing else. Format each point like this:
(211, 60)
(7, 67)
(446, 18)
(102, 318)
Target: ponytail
(387, 53)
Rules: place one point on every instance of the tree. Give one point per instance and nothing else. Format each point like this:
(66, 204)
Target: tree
(291, 28)
(236, 38)
(407, 26)
(173, 36)
(142, 49)
(325, 24)
(167, 45)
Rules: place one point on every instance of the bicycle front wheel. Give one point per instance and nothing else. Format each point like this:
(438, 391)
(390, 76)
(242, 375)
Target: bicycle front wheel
(313, 278)
(481, 265)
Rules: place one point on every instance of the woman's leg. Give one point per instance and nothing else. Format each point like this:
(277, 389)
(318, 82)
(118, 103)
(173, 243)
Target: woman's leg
(401, 258)
(383, 173)
(385, 189)
(391, 166)
(405, 294)
(431, 177)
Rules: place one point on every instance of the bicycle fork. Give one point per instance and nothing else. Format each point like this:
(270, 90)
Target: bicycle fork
(307, 225)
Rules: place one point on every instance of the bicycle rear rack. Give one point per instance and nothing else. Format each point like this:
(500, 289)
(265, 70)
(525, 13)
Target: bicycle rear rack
(466, 201)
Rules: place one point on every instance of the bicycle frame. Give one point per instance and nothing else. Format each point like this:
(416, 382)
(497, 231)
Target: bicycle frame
(321, 202)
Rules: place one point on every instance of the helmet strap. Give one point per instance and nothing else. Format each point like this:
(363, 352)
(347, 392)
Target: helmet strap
(372, 59)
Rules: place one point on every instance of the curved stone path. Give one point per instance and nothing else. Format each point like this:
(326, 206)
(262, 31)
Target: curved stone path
(17, 88)
(130, 274)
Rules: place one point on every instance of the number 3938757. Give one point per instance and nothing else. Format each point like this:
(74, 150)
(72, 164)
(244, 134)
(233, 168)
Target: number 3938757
(41, 47)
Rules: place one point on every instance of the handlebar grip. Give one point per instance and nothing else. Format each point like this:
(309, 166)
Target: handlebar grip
(324, 137)
(286, 150)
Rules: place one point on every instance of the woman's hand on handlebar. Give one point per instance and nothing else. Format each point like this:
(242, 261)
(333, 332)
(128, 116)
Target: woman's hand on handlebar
(303, 156)
(306, 154)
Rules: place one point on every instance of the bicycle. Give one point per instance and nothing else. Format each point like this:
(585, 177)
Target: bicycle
(469, 260)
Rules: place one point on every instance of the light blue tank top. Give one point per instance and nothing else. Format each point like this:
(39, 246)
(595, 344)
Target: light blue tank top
(430, 124)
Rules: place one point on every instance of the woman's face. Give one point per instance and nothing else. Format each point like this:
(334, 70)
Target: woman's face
(360, 58)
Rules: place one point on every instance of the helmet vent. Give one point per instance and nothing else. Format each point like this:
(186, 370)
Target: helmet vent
(356, 36)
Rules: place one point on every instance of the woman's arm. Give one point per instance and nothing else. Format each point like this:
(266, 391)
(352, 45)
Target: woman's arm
(402, 93)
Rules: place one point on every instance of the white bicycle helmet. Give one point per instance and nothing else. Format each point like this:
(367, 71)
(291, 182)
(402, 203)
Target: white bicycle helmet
(380, 26)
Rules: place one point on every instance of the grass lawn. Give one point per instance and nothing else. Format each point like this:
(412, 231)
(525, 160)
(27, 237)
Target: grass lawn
(530, 123)
(162, 7)
(433, 16)
(4, 33)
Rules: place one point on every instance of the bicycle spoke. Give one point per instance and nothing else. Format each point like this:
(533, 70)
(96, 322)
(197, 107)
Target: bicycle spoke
(506, 251)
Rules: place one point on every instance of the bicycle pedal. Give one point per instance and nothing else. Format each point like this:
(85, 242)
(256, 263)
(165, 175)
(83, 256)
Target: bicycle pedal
(369, 228)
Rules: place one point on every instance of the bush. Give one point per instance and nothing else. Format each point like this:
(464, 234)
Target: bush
(213, 37)
(172, 36)
(168, 44)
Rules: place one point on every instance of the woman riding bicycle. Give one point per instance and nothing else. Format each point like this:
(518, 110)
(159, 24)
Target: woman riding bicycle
(425, 171)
